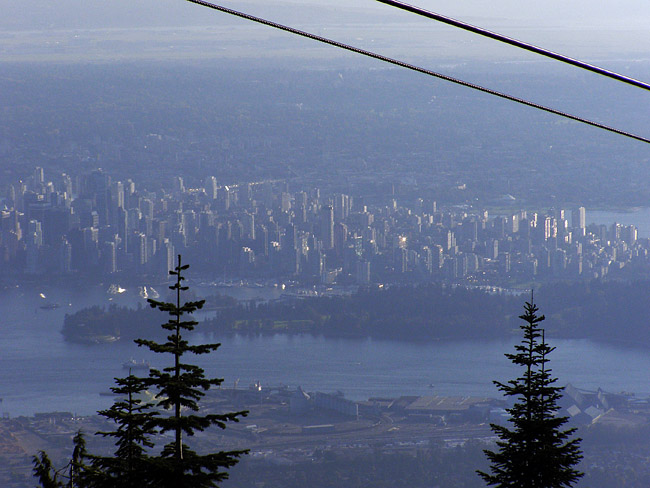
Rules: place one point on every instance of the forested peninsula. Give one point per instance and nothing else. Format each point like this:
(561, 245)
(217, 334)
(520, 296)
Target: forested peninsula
(608, 311)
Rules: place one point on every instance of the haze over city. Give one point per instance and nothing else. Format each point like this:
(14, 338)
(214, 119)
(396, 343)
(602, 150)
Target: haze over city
(365, 236)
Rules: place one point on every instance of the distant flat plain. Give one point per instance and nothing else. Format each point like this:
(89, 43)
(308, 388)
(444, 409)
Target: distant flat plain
(409, 41)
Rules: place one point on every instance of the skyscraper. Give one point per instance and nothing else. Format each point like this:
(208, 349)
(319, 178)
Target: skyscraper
(210, 187)
(327, 226)
(579, 220)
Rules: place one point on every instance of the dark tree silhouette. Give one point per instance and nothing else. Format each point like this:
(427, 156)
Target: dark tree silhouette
(179, 388)
(72, 475)
(130, 466)
(45, 472)
(534, 452)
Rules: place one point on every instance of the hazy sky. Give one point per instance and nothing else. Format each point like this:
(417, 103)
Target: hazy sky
(30, 14)
(33, 29)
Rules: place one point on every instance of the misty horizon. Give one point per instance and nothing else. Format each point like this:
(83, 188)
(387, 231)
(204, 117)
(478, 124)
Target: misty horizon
(85, 31)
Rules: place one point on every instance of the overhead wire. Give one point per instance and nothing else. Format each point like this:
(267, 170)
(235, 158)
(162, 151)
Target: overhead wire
(515, 42)
(418, 69)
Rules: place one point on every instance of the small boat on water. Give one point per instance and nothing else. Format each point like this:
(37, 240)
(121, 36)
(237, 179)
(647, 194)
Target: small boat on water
(50, 306)
(96, 339)
(148, 292)
(133, 364)
(115, 290)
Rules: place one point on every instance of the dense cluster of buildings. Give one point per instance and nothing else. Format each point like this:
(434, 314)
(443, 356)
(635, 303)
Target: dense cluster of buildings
(91, 224)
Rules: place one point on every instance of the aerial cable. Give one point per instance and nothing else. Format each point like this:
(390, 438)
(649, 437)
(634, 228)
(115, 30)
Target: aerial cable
(514, 42)
(416, 68)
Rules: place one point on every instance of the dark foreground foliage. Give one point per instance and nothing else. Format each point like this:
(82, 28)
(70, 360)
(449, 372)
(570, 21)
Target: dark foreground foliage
(534, 450)
(177, 390)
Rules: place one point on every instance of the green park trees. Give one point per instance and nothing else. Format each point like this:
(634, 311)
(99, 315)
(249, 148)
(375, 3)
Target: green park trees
(177, 390)
(534, 451)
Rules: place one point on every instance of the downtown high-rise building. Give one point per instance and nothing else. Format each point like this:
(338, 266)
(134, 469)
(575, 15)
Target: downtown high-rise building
(327, 226)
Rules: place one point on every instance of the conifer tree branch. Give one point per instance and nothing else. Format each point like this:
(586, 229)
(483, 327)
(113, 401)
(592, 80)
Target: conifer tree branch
(533, 451)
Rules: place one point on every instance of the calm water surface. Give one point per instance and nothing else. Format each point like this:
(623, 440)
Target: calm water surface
(39, 372)
(639, 217)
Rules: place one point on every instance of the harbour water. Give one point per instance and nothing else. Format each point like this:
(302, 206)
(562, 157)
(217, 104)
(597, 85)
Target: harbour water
(39, 372)
(639, 217)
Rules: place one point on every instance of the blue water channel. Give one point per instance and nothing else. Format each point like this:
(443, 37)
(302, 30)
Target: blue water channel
(40, 372)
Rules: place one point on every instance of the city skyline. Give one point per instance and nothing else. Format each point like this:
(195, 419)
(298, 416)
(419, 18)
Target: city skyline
(93, 226)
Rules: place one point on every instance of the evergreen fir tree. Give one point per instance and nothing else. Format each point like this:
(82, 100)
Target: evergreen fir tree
(180, 387)
(534, 452)
(78, 468)
(44, 471)
(130, 466)
(72, 475)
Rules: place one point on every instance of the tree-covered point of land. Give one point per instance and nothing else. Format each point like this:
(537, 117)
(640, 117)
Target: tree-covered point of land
(424, 312)
(601, 310)
(533, 451)
(97, 324)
